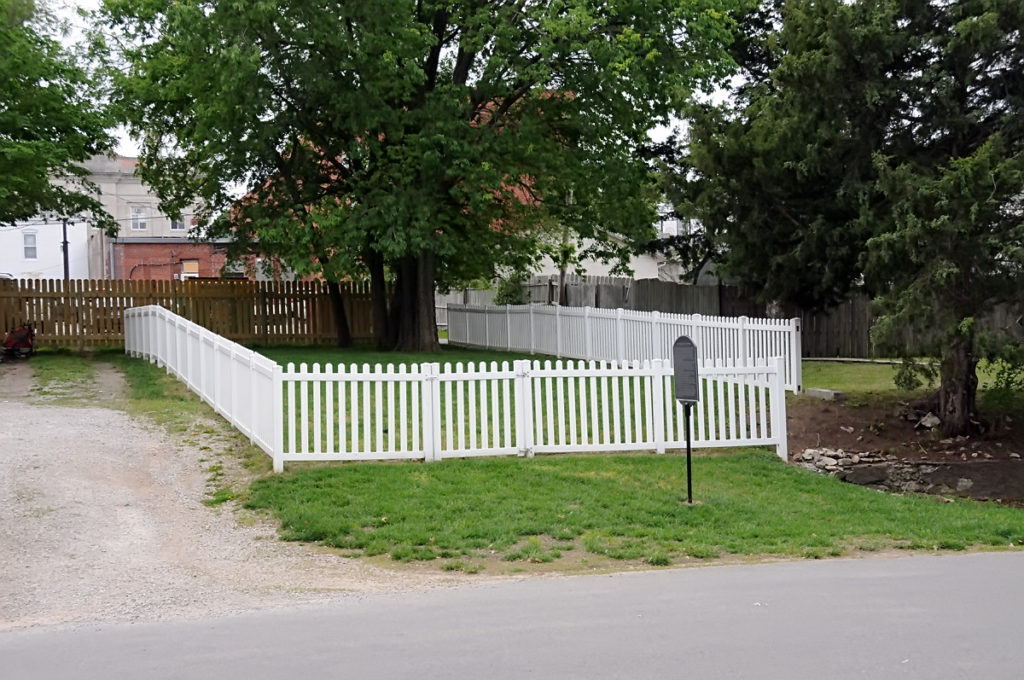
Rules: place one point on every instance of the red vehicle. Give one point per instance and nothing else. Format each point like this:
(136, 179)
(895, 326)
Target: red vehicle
(21, 342)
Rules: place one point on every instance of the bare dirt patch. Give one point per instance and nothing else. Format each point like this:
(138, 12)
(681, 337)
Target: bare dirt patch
(104, 521)
(921, 459)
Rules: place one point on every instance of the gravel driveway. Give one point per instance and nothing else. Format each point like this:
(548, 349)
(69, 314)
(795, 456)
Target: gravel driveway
(102, 521)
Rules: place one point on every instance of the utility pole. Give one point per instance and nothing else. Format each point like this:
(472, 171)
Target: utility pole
(67, 273)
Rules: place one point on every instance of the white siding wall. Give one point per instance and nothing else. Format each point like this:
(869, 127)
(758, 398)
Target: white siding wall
(49, 262)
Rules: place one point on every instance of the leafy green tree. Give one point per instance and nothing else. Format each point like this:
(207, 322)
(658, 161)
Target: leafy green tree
(49, 121)
(878, 142)
(439, 134)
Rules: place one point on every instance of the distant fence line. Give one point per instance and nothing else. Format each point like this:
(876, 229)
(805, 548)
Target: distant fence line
(432, 411)
(625, 335)
(89, 312)
(843, 331)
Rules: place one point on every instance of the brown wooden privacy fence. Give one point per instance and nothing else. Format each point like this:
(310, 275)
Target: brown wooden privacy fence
(90, 312)
(845, 331)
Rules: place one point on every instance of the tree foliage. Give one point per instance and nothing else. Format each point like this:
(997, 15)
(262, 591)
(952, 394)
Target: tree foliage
(49, 121)
(424, 138)
(877, 143)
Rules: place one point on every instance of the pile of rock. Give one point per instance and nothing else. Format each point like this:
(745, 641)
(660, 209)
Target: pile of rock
(834, 461)
(866, 468)
(977, 478)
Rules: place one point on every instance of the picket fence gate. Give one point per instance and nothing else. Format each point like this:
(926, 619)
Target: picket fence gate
(625, 335)
(434, 411)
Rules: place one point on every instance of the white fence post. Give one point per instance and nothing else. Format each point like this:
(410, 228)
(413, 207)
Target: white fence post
(524, 407)
(658, 405)
(796, 356)
(558, 331)
(277, 413)
(744, 344)
(431, 412)
(533, 342)
(508, 328)
(778, 406)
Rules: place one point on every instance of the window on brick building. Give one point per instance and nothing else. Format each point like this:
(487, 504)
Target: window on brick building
(189, 269)
(178, 225)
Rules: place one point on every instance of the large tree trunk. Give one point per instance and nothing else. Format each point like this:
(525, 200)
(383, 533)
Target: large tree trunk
(413, 313)
(340, 317)
(383, 337)
(959, 388)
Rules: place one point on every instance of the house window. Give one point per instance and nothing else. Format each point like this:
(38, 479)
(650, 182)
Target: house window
(29, 242)
(189, 269)
(178, 225)
(139, 222)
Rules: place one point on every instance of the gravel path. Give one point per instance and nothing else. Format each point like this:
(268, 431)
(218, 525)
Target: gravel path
(102, 521)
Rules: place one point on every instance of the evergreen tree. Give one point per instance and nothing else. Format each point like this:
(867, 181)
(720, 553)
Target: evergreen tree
(877, 142)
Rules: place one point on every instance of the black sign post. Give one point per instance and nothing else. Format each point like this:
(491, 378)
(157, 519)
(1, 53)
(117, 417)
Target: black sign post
(687, 391)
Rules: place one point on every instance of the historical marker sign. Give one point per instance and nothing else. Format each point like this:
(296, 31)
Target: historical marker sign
(687, 388)
(684, 363)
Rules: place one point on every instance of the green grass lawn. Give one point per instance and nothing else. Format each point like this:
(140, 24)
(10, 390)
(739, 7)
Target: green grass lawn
(865, 382)
(467, 513)
(368, 355)
(868, 377)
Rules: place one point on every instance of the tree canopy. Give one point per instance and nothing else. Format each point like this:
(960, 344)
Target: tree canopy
(424, 138)
(876, 143)
(50, 121)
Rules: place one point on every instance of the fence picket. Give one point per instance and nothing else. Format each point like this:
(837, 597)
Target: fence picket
(330, 383)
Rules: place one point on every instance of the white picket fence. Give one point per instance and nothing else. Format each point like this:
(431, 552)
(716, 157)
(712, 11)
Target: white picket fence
(625, 335)
(435, 411)
(241, 385)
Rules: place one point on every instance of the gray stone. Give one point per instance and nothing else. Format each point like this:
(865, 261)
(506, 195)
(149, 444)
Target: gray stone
(846, 461)
(826, 395)
(826, 461)
(929, 421)
(854, 459)
(868, 474)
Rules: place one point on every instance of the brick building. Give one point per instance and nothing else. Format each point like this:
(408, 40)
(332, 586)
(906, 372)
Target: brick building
(166, 258)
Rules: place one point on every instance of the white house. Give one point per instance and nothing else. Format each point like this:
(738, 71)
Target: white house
(643, 266)
(34, 249)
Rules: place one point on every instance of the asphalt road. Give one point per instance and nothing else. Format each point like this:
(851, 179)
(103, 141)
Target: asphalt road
(935, 617)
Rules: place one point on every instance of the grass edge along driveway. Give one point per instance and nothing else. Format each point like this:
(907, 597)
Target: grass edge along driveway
(510, 513)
